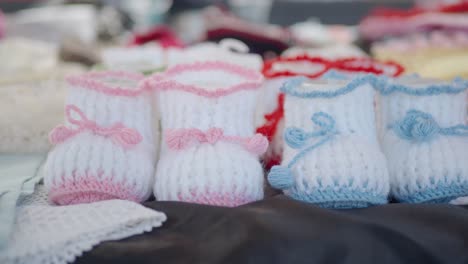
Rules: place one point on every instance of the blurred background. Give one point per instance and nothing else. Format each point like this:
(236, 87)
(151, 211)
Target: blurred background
(41, 42)
(283, 12)
(79, 30)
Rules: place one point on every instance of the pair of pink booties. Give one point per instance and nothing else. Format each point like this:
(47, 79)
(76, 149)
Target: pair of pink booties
(109, 146)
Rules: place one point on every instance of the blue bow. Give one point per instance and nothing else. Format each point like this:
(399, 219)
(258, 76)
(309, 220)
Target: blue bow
(297, 137)
(419, 126)
(281, 177)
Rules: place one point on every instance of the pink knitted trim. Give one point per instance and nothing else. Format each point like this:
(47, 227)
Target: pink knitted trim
(121, 135)
(165, 81)
(97, 81)
(183, 138)
(90, 189)
(216, 199)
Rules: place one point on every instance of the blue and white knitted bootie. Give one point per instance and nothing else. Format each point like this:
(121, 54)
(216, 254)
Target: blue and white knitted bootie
(425, 138)
(331, 155)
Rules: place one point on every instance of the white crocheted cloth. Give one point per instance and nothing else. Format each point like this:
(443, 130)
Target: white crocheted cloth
(58, 234)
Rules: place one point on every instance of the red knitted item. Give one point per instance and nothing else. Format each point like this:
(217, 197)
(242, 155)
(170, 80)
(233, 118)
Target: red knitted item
(348, 64)
(160, 34)
(272, 120)
(273, 161)
(460, 7)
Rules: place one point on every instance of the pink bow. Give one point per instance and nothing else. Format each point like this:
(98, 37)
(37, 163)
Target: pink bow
(183, 138)
(124, 136)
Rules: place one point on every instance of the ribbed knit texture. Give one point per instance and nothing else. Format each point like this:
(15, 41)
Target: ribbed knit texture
(89, 167)
(425, 169)
(222, 173)
(346, 171)
(233, 113)
(279, 70)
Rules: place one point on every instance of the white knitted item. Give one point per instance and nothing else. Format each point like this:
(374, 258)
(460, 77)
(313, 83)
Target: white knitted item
(228, 50)
(269, 103)
(337, 51)
(212, 105)
(26, 57)
(426, 164)
(144, 59)
(338, 160)
(46, 234)
(268, 99)
(280, 69)
(32, 104)
(106, 149)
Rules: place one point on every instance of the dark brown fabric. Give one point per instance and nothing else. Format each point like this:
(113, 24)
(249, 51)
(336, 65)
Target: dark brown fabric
(280, 230)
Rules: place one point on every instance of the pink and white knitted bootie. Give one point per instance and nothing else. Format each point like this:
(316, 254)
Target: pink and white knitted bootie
(106, 148)
(210, 154)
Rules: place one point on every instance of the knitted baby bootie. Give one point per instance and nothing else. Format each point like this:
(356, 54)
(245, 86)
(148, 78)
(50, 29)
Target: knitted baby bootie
(209, 153)
(270, 108)
(425, 138)
(106, 148)
(332, 156)
(276, 71)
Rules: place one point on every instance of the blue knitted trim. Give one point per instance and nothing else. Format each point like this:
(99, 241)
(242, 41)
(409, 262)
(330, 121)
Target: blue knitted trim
(382, 84)
(339, 199)
(439, 194)
(291, 85)
(386, 87)
(422, 127)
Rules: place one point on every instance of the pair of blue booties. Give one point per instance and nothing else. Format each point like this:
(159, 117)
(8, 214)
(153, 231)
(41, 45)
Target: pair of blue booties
(357, 141)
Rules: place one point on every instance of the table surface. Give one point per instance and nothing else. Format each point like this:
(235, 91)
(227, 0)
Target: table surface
(281, 230)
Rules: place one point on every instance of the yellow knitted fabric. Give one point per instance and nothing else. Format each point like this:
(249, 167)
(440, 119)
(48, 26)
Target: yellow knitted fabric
(432, 62)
